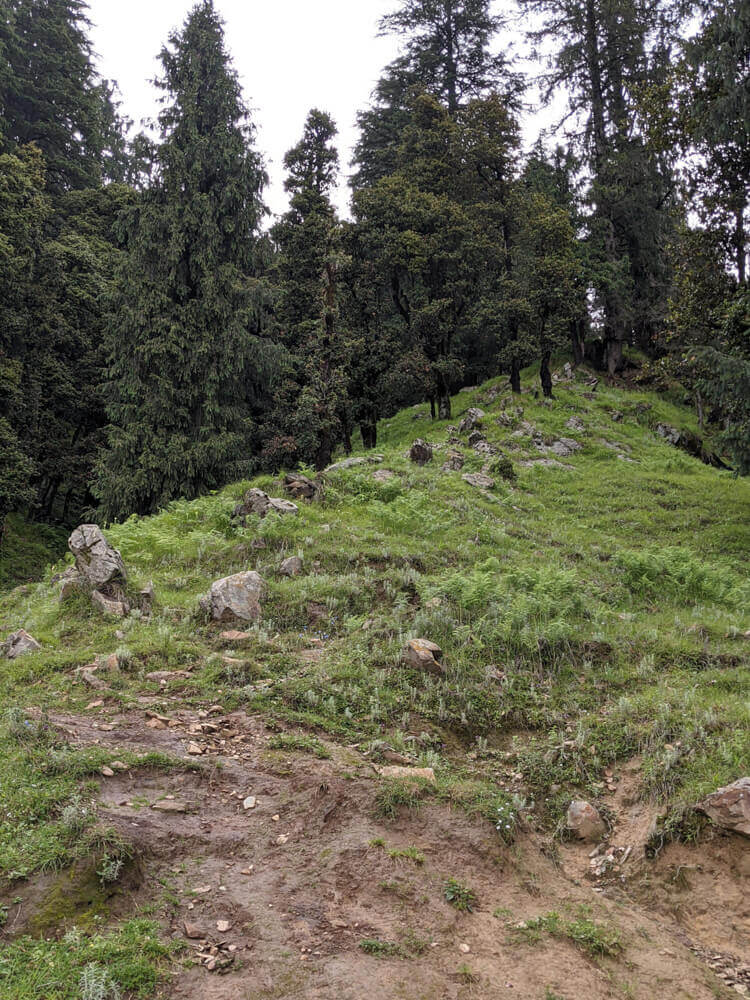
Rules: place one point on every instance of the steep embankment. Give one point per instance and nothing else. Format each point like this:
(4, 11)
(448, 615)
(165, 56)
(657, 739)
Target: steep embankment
(592, 611)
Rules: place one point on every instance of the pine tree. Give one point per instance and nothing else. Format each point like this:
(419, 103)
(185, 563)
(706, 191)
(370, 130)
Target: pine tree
(311, 413)
(182, 340)
(49, 93)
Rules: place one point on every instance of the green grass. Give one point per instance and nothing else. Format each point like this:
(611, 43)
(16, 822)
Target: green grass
(132, 956)
(594, 938)
(26, 549)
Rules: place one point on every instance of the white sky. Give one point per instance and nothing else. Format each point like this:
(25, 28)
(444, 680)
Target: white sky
(291, 55)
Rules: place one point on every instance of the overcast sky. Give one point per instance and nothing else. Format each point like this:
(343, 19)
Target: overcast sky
(291, 55)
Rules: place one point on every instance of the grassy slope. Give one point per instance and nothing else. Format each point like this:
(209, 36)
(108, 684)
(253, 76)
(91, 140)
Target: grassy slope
(586, 615)
(26, 550)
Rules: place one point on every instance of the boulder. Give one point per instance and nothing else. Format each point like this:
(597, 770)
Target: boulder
(479, 480)
(300, 487)
(585, 822)
(729, 808)
(291, 567)
(475, 438)
(421, 654)
(235, 598)
(115, 606)
(473, 419)
(71, 582)
(420, 452)
(455, 462)
(19, 644)
(96, 560)
(257, 502)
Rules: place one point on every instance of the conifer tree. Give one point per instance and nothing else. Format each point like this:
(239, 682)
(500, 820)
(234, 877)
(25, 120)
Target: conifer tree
(49, 92)
(182, 339)
(311, 415)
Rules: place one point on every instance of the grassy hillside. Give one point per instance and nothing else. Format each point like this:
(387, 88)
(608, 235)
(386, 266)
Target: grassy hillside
(591, 611)
(27, 549)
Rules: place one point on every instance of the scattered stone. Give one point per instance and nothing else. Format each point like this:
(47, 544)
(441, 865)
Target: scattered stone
(300, 487)
(420, 452)
(316, 613)
(473, 419)
(479, 480)
(170, 806)
(292, 566)
(585, 822)
(107, 772)
(421, 654)
(235, 636)
(576, 424)
(729, 807)
(194, 750)
(113, 606)
(464, 949)
(455, 462)
(157, 724)
(163, 676)
(250, 802)
(425, 773)
(383, 475)
(96, 560)
(222, 926)
(193, 932)
(282, 839)
(19, 644)
(236, 597)
(117, 765)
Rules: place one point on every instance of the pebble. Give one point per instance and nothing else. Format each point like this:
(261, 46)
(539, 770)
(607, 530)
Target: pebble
(464, 948)
(250, 802)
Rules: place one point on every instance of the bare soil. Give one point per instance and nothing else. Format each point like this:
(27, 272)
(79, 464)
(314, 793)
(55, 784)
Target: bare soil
(274, 902)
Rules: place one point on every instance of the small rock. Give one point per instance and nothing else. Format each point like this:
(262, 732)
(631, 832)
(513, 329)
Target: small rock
(383, 475)
(282, 839)
(193, 932)
(170, 806)
(222, 926)
(107, 772)
(112, 606)
(236, 597)
(426, 773)
(117, 765)
(479, 480)
(300, 487)
(421, 654)
(473, 419)
(576, 424)
(194, 750)
(585, 822)
(235, 636)
(19, 644)
(291, 567)
(420, 452)
(250, 802)
(454, 463)
(729, 807)
(464, 949)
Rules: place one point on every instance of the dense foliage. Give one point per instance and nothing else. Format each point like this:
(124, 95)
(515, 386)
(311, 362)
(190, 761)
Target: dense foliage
(157, 342)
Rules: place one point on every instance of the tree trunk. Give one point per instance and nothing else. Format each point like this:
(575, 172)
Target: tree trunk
(546, 375)
(443, 400)
(369, 432)
(740, 241)
(614, 355)
(578, 341)
(515, 375)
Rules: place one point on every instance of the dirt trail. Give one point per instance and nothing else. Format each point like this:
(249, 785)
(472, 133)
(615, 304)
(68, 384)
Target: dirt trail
(274, 901)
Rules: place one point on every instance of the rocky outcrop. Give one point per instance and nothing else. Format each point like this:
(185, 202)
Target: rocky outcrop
(114, 606)
(235, 598)
(257, 502)
(565, 447)
(352, 463)
(421, 654)
(471, 421)
(19, 644)
(729, 808)
(585, 822)
(420, 452)
(576, 424)
(97, 561)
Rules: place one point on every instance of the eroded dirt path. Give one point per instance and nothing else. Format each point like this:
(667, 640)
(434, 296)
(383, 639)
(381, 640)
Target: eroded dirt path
(274, 901)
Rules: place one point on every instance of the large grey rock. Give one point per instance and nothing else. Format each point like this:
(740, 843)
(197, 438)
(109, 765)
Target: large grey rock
(96, 560)
(70, 583)
(352, 463)
(236, 597)
(19, 644)
(421, 654)
(420, 452)
(585, 821)
(729, 807)
(301, 487)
